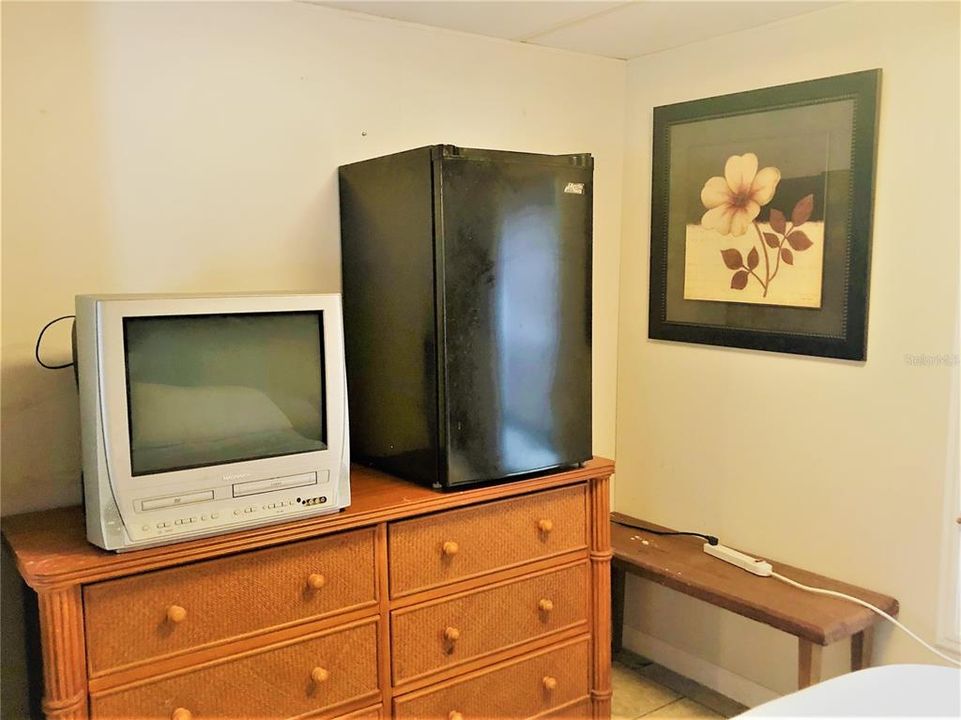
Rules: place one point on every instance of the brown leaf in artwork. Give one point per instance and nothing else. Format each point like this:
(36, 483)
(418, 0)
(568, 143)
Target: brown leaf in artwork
(777, 221)
(739, 280)
(799, 240)
(787, 256)
(732, 258)
(802, 211)
(771, 240)
(753, 259)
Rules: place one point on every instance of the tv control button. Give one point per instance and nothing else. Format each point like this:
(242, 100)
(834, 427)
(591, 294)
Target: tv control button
(145, 528)
(174, 500)
(214, 516)
(237, 512)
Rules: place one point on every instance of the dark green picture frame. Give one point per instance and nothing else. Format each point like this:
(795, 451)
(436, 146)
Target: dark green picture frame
(841, 112)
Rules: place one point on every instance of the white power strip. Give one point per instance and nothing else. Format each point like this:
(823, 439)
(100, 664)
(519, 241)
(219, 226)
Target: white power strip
(746, 562)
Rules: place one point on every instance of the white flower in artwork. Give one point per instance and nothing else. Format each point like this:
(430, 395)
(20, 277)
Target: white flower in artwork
(734, 201)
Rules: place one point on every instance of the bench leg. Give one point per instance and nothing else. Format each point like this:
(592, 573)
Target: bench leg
(618, 583)
(809, 663)
(861, 645)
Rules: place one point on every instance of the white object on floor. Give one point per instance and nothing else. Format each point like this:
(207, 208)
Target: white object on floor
(886, 691)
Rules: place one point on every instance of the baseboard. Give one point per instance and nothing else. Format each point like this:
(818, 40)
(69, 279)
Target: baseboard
(716, 678)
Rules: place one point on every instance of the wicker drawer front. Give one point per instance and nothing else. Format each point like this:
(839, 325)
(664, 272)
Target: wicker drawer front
(523, 688)
(438, 549)
(168, 611)
(307, 676)
(426, 638)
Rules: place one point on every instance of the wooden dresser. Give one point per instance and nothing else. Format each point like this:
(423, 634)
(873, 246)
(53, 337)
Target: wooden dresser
(485, 603)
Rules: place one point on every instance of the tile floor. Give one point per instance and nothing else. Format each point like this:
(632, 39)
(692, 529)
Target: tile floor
(644, 689)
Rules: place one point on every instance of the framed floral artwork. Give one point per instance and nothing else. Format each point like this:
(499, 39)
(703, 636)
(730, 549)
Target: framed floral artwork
(761, 217)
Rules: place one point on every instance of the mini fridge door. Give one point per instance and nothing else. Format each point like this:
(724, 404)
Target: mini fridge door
(513, 248)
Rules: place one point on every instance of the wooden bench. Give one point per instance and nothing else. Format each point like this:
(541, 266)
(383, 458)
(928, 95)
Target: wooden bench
(680, 563)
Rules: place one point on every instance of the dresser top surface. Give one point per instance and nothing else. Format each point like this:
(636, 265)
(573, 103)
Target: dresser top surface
(51, 549)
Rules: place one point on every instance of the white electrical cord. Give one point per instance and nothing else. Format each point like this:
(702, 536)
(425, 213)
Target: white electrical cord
(869, 606)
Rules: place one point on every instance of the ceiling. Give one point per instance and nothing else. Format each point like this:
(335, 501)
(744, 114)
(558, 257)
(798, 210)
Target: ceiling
(612, 29)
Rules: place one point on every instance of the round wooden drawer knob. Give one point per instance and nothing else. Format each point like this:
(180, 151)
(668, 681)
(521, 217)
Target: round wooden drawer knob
(545, 525)
(452, 634)
(319, 675)
(545, 605)
(316, 581)
(176, 614)
(549, 682)
(181, 714)
(450, 548)
(454, 715)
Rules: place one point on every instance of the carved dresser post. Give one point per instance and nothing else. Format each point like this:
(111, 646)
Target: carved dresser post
(601, 590)
(64, 657)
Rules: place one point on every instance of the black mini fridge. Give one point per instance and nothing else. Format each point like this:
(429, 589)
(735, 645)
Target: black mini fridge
(467, 312)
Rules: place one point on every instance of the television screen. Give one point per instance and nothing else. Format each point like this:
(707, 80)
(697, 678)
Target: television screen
(212, 389)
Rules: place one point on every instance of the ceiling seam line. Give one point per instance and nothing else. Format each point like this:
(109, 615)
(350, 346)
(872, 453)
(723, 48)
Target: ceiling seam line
(529, 37)
(827, 5)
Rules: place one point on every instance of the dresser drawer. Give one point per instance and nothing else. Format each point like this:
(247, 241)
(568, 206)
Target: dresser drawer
(164, 612)
(523, 688)
(437, 549)
(371, 713)
(309, 675)
(580, 710)
(445, 633)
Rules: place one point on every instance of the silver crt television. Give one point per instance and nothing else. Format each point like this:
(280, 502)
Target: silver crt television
(205, 414)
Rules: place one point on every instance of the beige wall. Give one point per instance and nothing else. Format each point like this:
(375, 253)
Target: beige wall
(835, 466)
(193, 147)
(183, 147)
